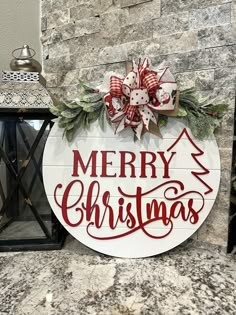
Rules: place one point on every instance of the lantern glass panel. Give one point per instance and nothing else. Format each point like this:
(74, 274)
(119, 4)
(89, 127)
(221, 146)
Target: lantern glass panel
(23, 202)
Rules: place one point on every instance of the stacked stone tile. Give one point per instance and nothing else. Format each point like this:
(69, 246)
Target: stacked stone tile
(85, 38)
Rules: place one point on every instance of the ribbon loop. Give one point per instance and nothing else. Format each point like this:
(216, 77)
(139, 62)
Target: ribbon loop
(116, 86)
(129, 83)
(139, 97)
(151, 82)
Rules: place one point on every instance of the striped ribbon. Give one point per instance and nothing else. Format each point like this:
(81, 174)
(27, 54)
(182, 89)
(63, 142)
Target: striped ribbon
(130, 112)
(150, 81)
(116, 86)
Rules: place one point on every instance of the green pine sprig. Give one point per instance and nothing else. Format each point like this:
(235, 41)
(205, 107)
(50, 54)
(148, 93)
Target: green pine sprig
(202, 118)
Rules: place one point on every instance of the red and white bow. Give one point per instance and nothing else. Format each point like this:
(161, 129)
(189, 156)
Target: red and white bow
(135, 100)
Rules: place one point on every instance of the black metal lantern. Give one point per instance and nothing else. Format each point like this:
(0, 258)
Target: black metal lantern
(26, 219)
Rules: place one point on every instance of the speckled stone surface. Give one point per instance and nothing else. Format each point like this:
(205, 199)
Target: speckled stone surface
(191, 279)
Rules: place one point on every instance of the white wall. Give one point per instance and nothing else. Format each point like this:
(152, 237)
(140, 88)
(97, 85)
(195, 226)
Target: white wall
(19, 25)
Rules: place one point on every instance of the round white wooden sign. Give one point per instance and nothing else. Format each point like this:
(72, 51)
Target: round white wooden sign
(131, 199)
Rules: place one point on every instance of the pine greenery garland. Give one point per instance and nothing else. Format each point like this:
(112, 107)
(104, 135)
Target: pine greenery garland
(201, 118)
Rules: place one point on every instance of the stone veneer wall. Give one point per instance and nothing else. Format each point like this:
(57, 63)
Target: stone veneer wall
(85, 38)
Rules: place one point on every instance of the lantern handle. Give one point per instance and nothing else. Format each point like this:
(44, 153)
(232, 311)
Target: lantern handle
(25, 52)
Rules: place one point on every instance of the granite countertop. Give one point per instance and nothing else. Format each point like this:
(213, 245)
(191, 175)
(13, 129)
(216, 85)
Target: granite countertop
(191, 279)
